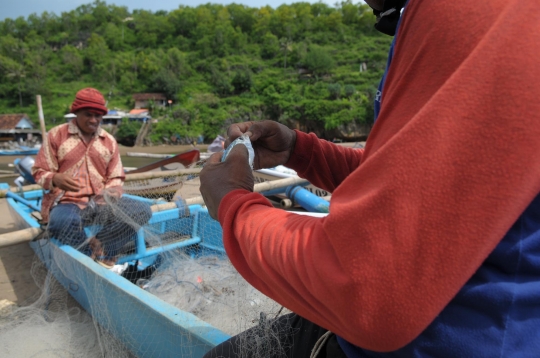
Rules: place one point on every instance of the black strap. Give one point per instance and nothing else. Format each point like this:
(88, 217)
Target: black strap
(388, 18)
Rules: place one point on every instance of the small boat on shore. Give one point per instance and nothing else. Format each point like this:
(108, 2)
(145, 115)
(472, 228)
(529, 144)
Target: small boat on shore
(20, 150)
(144, 324)
(165, 187)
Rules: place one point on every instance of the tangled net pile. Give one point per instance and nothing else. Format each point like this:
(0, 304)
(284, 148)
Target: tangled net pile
(171, 256)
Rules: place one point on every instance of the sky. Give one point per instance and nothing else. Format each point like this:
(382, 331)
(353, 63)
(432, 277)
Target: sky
(15, 8)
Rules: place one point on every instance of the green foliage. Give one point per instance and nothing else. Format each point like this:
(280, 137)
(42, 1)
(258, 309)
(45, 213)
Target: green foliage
(270, 46)
(318, 61)
(335, 90)
(165, 81)
(297, 64)
(349, 90)
(128, 129)
(242, 81)
(72, 61)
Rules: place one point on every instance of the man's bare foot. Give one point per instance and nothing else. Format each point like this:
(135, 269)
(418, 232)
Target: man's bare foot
(98, 254)
(96, 248)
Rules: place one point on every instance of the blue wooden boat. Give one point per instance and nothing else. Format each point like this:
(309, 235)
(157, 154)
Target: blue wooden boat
(21, 151)
(145, 324)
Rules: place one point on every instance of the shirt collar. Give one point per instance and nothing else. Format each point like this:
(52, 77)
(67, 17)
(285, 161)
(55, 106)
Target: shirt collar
(74, 129)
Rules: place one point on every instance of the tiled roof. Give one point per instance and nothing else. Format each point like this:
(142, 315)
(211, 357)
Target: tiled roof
(9, 121)
(138, 111)
(149, 96)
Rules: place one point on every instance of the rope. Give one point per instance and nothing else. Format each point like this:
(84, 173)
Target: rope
(320, 344)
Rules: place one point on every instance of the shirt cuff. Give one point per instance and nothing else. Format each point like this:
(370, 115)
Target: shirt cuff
(302, 152)
(228, 201)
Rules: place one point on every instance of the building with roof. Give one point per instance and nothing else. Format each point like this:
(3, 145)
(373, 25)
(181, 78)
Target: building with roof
(17, 127)
(144, 100)
(139, 114)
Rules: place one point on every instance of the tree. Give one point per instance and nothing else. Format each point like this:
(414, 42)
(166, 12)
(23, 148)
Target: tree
(175, 61)
(113, 35)
(14, 72)
(270, 46)
(349, 90)
(221, 82)
(335, 90)
(286, 46)
(242, 17)
(165, 81)
(13, 55)
(318, 61)
(72, 61)
(242, 81)
(97, 53)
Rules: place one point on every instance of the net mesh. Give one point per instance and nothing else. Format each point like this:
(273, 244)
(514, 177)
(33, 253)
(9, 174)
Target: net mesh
(149, 276)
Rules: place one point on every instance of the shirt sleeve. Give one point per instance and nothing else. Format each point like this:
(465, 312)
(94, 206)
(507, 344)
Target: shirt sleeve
(313, 156)
(449, 166)
(115, 171)
(46, 163)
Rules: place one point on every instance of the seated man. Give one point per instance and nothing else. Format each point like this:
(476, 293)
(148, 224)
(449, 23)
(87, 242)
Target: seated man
(80, 167)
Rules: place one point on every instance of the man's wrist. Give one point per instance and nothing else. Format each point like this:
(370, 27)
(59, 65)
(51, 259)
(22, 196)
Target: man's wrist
(293, 144)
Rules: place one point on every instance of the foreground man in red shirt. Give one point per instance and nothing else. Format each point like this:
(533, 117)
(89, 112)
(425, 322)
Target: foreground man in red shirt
(432, 244)
(80, 167)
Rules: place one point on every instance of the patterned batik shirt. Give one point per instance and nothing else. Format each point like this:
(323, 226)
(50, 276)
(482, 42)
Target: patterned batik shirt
(96, 165)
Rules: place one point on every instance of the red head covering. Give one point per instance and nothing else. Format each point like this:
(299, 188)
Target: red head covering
(89, 98)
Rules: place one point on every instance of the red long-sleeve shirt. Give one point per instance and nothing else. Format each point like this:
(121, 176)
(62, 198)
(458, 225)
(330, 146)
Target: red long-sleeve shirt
(451, 163)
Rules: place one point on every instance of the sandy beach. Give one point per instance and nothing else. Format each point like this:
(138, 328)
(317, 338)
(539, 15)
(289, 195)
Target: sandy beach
(16, 282)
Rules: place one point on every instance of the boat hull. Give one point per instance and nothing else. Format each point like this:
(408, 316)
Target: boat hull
(19, 152)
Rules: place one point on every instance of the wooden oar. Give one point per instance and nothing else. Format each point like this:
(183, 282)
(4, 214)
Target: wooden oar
(147, 155)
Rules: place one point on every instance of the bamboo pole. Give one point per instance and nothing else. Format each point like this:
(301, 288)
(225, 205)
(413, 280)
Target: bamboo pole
(41, 121)
(14, 189)
(19, 237)
(266, 186)
(163, 174)
(7, 176)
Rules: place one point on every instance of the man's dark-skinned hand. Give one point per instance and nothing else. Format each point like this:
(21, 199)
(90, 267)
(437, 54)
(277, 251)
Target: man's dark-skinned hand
(65, 182)
(272, 142)
(220, 178)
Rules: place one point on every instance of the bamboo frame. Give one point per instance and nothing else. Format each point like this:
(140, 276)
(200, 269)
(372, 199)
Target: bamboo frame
(266, 186)
(21, 236)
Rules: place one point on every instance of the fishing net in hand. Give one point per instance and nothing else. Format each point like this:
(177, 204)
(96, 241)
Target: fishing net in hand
(155, 249)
